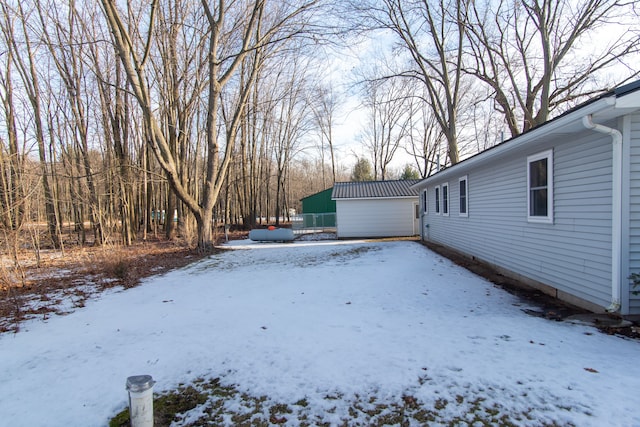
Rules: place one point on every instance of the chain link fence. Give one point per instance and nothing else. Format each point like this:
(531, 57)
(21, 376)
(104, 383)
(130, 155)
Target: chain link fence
(314, 223)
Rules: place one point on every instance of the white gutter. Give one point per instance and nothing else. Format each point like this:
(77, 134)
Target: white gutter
(616, 209)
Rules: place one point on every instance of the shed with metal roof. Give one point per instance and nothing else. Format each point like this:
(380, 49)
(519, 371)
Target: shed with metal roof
(376, 208)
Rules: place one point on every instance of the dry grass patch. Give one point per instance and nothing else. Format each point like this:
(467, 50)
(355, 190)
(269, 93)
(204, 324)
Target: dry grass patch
(62, 281)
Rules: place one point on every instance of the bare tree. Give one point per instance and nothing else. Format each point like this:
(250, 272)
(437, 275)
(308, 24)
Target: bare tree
(12, 202)
(432, 35)
(252, 156)
(325, 105)
(291, 123)
(178, 61)
(388, 122)
(235, 31)
(65, 51)
(424, 139)
(24, 57)
(526, 52)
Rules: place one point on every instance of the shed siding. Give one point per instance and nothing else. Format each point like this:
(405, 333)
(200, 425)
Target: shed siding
(375, 217)
(634, 209)
(574, 253)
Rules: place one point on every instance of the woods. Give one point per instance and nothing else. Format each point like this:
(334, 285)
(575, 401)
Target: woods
(124, 120)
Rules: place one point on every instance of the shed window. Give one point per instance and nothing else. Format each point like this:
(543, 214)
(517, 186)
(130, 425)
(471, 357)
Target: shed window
(540, 187)
(462, 193)
(437, 193)
(445, 199)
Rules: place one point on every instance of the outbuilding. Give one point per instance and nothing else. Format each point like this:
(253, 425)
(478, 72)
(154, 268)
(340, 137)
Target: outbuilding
(557, 207)
(318, 210)
(376, 208)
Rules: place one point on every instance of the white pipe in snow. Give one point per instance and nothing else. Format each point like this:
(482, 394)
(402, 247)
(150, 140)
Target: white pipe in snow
(616, 210)
(140, 389)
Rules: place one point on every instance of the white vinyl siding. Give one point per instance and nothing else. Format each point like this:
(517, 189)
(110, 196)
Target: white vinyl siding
(573, 254)
(392, 217)
(634, 211)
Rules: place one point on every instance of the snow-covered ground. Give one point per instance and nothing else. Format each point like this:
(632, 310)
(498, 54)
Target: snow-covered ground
(312, 319)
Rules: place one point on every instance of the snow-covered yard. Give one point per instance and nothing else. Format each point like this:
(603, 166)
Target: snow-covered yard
(329, 324)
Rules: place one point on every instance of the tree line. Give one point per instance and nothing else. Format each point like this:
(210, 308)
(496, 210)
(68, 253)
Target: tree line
(176, 117)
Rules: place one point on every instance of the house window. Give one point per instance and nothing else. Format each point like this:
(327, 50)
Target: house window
(437, 192)
(445, 199)
(462, 193)
(540, 187)
(424, 202)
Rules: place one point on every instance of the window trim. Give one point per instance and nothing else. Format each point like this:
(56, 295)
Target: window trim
(466, 196)
(437, 199)
(547, 219)
(445, 200)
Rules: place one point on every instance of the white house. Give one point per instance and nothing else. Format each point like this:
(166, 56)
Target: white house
(376, 208)
(557, 207)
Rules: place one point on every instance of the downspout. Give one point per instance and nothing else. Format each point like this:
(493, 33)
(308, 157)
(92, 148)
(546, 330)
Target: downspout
(421, 209)
(616, 210)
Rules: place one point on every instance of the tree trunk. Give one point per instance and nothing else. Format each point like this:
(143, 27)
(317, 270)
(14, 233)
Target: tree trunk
(205, 231)
(13, 196)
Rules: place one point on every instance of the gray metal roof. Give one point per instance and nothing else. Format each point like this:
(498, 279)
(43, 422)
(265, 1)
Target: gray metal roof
(374, 189)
